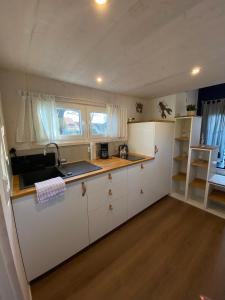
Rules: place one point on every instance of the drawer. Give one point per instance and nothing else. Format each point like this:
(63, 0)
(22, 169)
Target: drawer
(106, 218)
(115, 193)
(118, 178)
(97, 191)
(108, 186)
(99, 222)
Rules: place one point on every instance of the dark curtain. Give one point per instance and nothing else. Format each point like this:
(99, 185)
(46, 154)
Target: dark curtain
(213, 125)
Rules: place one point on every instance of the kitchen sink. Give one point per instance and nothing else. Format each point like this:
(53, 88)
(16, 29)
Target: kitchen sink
(65, 171)
(131, 157)
(28, 179)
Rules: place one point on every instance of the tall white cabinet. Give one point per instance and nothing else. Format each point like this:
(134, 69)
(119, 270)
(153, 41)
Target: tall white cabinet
(154, 139)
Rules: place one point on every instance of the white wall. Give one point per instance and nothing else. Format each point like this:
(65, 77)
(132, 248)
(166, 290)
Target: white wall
(176, 102)
(11, 82)
(11, 267)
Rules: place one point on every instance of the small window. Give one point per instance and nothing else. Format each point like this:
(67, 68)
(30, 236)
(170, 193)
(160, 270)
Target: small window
(98, 123)
(70, 122)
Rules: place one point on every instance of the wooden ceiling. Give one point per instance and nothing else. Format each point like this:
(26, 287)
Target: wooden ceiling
(143, 48)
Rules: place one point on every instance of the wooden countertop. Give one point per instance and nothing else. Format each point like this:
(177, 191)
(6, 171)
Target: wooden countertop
(107, 165)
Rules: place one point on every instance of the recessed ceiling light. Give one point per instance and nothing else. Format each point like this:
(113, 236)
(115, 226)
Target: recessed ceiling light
(99, 79)
(195, 71)
(100, 2)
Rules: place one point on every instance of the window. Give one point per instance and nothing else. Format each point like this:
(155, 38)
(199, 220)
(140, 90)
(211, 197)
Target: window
(98, 122)
(71, 119)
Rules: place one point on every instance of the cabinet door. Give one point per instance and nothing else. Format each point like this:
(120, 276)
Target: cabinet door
(97, 191)
(117, 187)
(106, 218)
(99, 222)
(147, 183)
(52, 232)
(162, 164)
(135, 202)
(118, 210)
(140, 187)
(107, 202)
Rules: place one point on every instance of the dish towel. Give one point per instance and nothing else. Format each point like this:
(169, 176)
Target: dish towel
(50, 190)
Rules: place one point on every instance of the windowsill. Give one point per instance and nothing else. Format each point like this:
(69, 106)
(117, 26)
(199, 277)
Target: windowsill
(69, 143)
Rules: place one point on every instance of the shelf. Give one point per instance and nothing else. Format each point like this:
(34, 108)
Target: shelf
(182, 139)
(203, 148)
(180, 177)
(180, 158)
(198, 183)
(201, 163)
(218, 196)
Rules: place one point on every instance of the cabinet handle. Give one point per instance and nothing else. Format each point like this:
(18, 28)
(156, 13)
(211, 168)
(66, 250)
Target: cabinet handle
(142, 166)
(110, 207)
(110, 176)
(142, 191)
(84, 189)
(110, 192)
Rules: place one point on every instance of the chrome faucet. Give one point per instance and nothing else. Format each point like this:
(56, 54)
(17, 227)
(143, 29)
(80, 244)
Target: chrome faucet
(58, 153)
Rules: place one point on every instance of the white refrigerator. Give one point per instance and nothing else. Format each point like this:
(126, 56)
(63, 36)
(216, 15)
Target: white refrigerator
(155, 139)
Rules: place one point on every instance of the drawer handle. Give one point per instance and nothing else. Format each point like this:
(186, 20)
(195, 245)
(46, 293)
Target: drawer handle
(110, 207)
(84, 189)
(110, 176)
(110, 192)
(142, 191)
(142, 166)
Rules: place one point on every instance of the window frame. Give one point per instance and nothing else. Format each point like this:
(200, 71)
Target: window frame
(95, 109)
(73, 137)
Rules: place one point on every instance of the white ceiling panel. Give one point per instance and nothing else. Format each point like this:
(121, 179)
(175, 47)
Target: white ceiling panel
(143, 48)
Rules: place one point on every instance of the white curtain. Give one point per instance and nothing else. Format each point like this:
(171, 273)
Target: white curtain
(37, 121)
(117, 121)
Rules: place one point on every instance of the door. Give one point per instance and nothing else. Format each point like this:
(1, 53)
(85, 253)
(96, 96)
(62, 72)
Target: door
(52, 232)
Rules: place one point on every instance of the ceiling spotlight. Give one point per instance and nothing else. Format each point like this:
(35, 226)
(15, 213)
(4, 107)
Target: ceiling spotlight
(195, 71)
(100, 2)
(99, 79)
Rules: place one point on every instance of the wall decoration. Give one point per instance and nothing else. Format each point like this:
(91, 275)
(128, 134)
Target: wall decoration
(139, 107)
(165, 110)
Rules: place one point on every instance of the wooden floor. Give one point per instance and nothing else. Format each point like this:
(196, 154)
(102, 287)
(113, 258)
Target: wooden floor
(170, 251)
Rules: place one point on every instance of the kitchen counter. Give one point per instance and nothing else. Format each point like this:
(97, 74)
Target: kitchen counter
(107, 165)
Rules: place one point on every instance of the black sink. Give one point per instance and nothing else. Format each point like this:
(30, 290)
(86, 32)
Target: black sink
(28, 179)
(69, 170)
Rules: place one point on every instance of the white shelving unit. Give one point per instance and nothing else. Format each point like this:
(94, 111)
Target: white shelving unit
(194, 175)
(187, 133)
(201, 163)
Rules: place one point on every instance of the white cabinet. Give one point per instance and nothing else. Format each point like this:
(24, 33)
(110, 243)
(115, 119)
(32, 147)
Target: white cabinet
(51, 233)
(162, 164)
(140, 187)
(153, 139)
(107, 202)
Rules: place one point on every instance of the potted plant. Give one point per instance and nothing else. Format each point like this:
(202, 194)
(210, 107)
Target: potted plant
(191, 110)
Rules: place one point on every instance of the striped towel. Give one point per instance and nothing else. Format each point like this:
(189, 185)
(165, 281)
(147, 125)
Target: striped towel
(49, 190)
